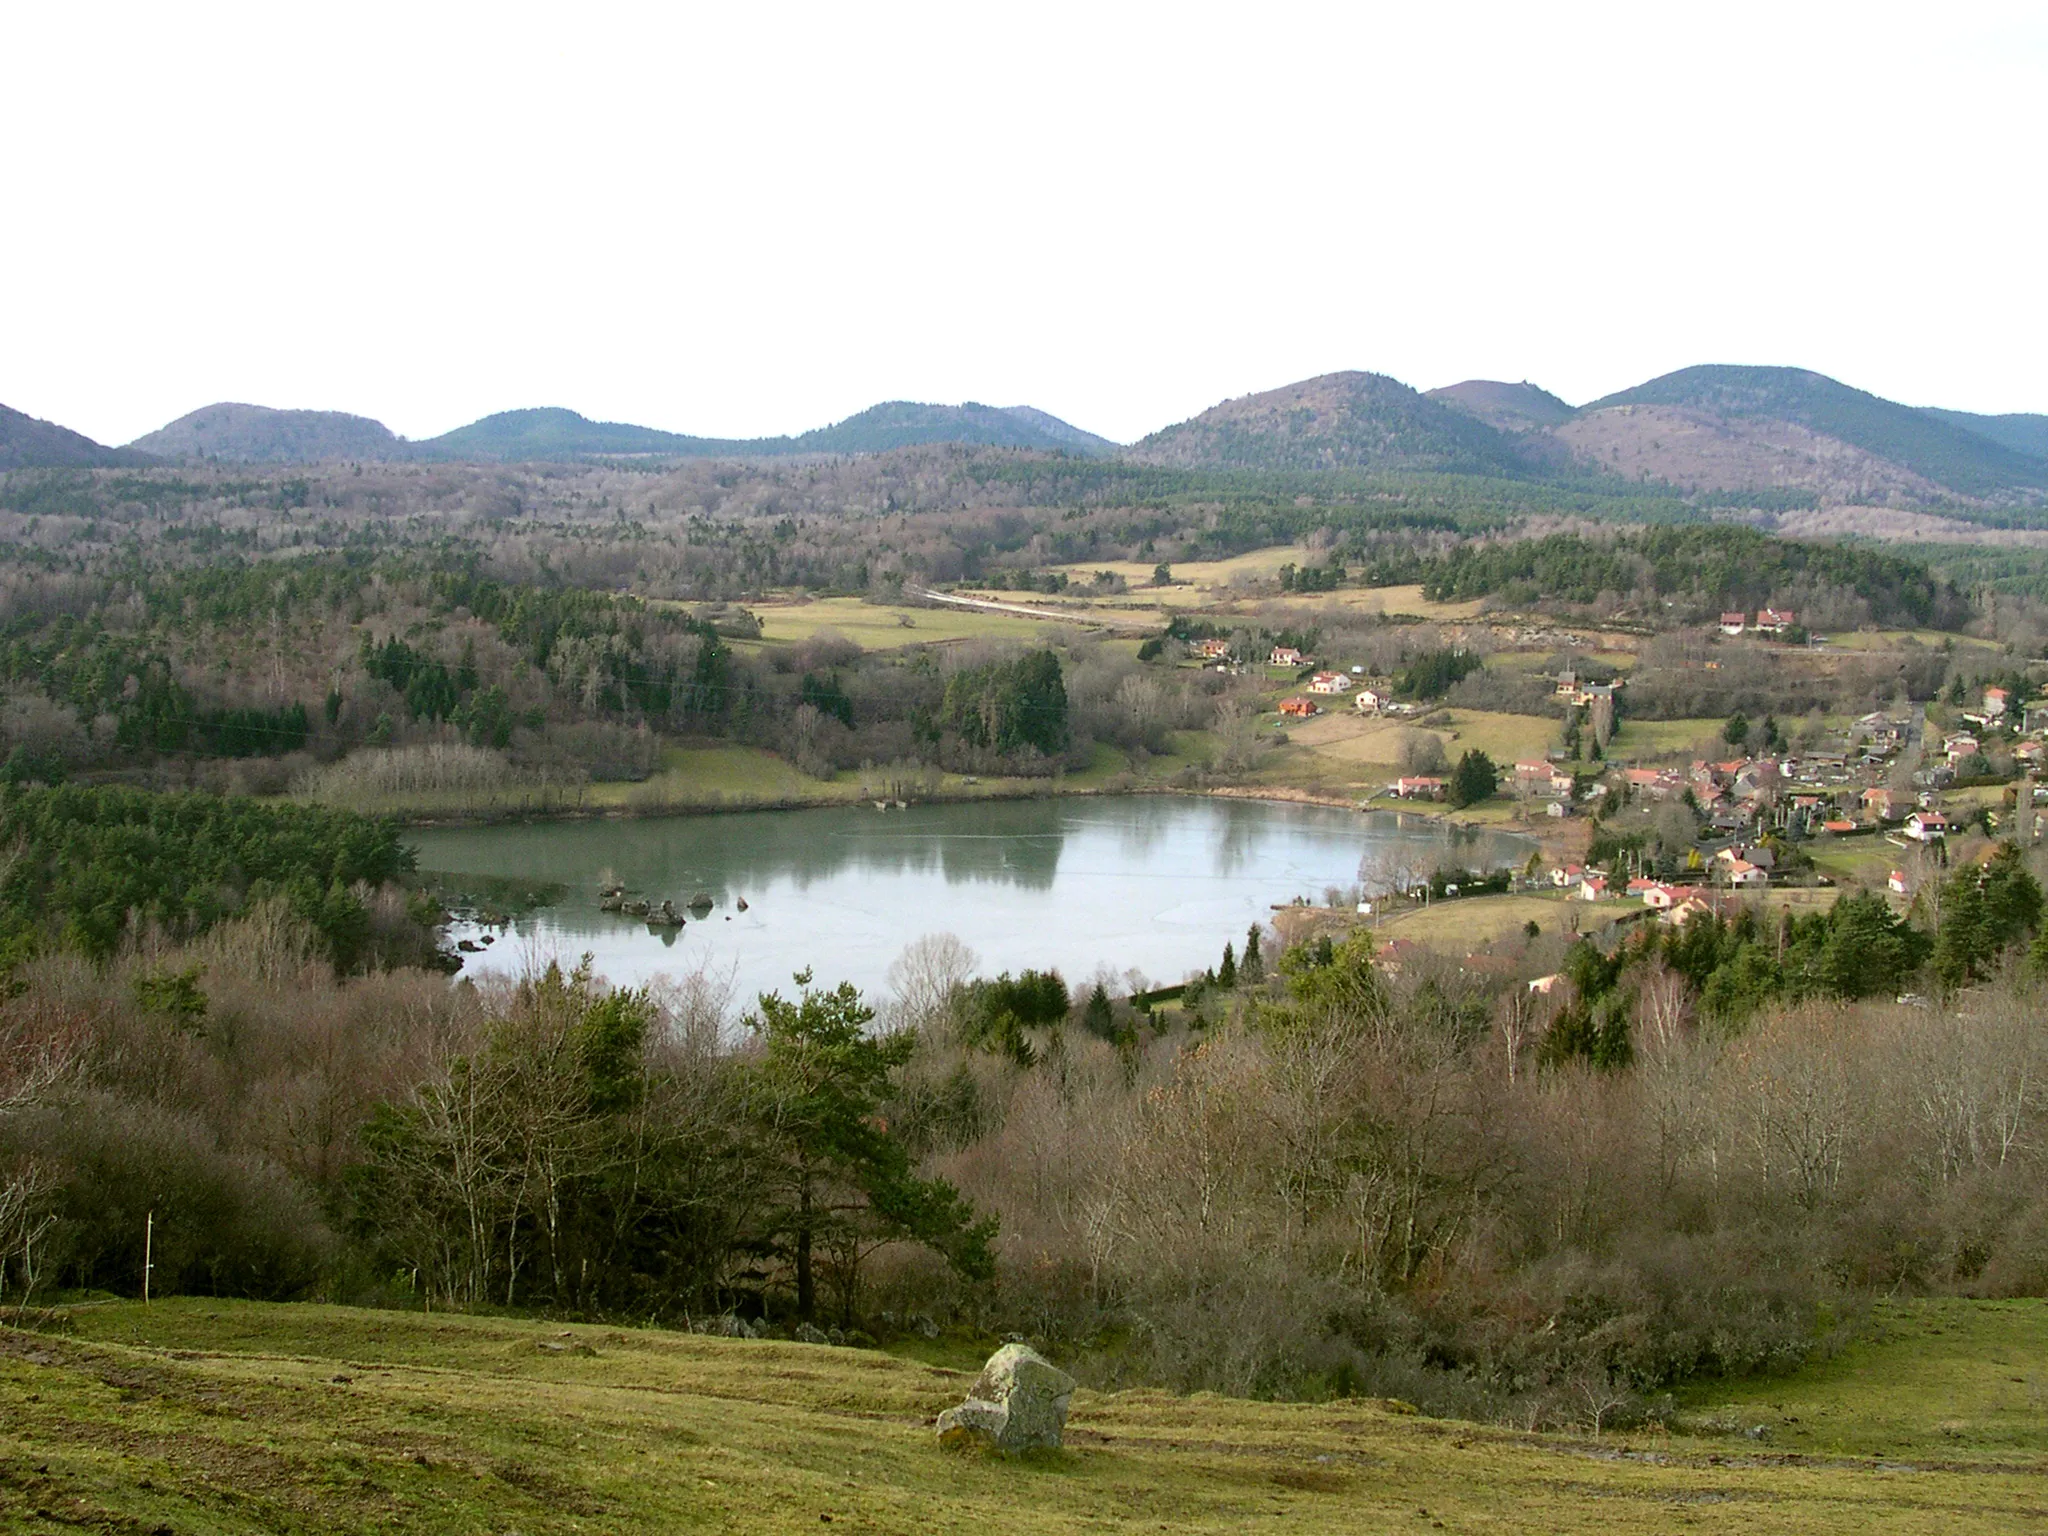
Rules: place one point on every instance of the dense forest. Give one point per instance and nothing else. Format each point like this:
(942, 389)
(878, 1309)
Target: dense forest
(1705, 569)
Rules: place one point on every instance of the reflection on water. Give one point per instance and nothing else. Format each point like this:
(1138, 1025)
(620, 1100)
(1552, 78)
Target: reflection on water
(1152, 884)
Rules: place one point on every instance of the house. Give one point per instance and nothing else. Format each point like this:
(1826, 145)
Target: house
(2029, 753)
(1659, 897)
(1212, 650)
(1560, 782)
(1995, 701)
(1393, 954)
(1593, 888)
(1734, 623)
(1657, 783)
(1773, 621)
(1419, 788)
(1329, 682)
(1369, 701)
(1744, 875)
(1897, 884)
(1300, 709)
(1926, 826)
(1697, 904)
(1960, 746)
(1568, 875)
(1285, 656)
(1567, 684)
(1838, 825)
(1880, 804)
(1542, 985)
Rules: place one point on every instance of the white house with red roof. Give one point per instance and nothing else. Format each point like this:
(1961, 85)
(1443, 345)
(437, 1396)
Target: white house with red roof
(1734, 623)
(1285, 656)
(1926, 826)
(1329, 682)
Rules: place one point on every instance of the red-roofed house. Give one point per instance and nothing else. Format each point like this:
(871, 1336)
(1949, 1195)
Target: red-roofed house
(1329, 682)
(1733, 623)
(1285, 656)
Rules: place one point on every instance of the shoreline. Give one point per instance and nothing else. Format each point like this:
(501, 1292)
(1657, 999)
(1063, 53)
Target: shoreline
(1553, 842)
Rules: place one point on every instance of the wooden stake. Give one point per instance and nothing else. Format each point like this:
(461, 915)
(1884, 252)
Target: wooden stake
(148, 1251)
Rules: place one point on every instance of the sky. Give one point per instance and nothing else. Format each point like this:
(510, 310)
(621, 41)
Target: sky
(744, 220)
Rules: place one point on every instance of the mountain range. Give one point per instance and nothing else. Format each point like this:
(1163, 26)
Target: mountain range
(255, 434)
(1710, 429)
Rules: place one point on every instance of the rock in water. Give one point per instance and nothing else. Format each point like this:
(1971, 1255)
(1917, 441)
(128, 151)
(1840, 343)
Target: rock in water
(1019, 1402)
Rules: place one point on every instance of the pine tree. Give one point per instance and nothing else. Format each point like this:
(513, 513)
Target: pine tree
(1226, 973)
(1252, 969)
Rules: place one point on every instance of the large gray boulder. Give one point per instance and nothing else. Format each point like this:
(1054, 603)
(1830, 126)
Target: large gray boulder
(1018, 1403)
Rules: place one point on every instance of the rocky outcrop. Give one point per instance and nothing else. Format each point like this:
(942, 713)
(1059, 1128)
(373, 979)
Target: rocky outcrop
(1018, 1403)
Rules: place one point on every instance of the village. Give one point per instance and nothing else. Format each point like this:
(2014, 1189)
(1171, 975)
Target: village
(1886, 801)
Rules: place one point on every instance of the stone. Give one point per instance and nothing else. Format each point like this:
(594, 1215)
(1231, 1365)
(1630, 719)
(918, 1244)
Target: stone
(923, 1326)
(807, 1333)
(1018, 1403)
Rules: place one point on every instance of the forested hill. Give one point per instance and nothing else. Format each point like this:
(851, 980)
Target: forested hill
(905, 423)
(1522, 407)
(2021, 431)
(28, 443)
(1922, 443)
(1704, 568)
(552, 432)
(1338, 421)
(257, 434)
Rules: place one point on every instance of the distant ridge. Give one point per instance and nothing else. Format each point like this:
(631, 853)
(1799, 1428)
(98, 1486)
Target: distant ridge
(904, 424)
(1919, 446)
(1519, 407)
(258, 434)
(2021, 432)
(27, 442)
(552, 432)
(1336, 421)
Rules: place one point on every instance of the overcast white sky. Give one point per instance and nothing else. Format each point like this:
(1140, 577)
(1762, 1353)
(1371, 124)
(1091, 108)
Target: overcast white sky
(746, 219)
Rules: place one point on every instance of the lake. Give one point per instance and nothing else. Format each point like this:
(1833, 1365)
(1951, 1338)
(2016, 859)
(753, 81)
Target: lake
(1148, 884)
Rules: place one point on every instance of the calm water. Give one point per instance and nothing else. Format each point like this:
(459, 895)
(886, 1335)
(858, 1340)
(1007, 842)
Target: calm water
(1153, 884)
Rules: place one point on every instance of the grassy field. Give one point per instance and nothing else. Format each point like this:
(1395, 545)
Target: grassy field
(1668, 739)
(881, 627)
(1929, 1380)
(1347, 737)
(209, 1416)
(1470, 922)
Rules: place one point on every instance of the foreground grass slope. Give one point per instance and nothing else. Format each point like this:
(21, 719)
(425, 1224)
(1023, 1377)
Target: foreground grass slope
(205, 1416)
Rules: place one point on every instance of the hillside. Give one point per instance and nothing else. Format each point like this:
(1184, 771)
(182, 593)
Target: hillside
(29, 443)
(198, 1416)
(551, 432)
(2021, 431)
(904, 424)
(1338, 421)
(555, 433)
(259, 434)
(1522, 407)
(1720, 427)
